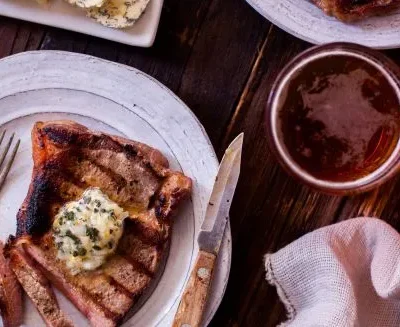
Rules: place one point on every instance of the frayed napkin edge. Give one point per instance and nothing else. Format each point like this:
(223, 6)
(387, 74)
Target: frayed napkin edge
(271, 279)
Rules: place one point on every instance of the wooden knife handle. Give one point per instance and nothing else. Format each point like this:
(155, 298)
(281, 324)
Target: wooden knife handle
(194, 299)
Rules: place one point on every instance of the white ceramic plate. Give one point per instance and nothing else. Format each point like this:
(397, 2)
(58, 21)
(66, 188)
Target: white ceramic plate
(124, 101)
(59, 13)
(303, 19)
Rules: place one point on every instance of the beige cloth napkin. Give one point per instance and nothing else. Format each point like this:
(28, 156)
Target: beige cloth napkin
(347, 274)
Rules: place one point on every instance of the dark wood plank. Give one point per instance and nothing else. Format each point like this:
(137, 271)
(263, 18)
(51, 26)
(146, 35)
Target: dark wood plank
(166, 59)
(102, 48)
(28, 37)
(36, 36)
(58, 39)
(270, 209)
(220, 62)
(8, 33)
(21, 38)
(17, 36)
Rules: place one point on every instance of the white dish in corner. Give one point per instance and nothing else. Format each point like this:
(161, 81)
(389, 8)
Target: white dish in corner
(59, 13)
(306, 21)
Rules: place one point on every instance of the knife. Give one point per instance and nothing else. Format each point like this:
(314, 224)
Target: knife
(194, 299)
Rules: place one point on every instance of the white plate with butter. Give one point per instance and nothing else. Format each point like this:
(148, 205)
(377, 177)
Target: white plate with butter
(59, 13)
(48, 85)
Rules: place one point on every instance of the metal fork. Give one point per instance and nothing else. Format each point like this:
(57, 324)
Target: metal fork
(6, 169)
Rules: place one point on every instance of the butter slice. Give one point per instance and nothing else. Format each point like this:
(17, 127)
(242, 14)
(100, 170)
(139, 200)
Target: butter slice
(87, 3)
(88, 230)
(118, 13)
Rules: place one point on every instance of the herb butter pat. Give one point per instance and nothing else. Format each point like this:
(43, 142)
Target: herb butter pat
(86, 3)
(87, 231)
(119, 13)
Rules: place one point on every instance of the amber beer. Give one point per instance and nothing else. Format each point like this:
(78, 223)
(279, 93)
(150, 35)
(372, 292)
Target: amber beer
(340, 118)
(333, 118)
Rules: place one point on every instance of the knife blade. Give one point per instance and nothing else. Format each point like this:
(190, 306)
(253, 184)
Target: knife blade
(217, 213)
(194, 298)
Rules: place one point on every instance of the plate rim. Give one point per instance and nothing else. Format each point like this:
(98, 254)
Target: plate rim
(303, 36)
(228, 236)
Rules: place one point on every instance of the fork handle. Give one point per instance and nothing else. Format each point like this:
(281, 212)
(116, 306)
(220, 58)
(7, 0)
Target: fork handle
(194, 299)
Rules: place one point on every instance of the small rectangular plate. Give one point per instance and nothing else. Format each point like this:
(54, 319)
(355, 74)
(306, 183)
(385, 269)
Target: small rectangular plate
(59, 13)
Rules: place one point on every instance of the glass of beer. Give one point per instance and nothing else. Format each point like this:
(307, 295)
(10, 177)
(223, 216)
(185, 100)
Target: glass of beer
(333, 118)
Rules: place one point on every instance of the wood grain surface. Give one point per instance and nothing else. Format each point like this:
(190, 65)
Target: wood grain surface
(221, 57)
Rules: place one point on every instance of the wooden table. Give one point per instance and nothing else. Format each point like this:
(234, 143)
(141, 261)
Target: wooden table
(221, 58)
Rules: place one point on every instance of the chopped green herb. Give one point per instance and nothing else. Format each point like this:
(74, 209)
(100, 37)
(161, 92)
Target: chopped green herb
(112, 215)
(78, 209)
(93, 233)
(111, 231)
(97, 203)
(96, 210)
(96, 247)
(59, 245)
(69, 215)
(87, 199)
(69, 234)
(75, 253)
(81, 252)
(110, 244)
(103, 210)
(61, 221)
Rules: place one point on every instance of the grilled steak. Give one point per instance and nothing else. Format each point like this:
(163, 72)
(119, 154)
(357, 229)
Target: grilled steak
(38, 288)
(68, 159)
(350, 10)
(10, 294)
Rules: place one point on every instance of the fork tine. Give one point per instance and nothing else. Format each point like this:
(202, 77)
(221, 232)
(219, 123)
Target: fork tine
(3, 155)
(2, 136)
(6, 170)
